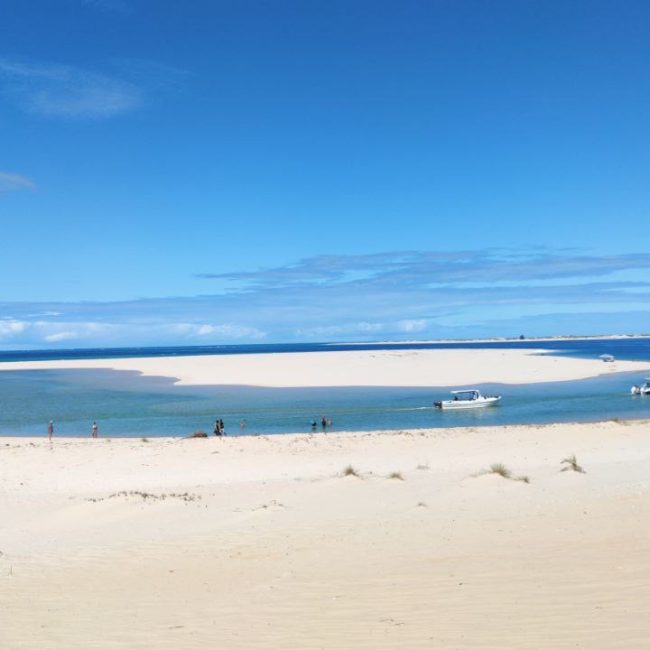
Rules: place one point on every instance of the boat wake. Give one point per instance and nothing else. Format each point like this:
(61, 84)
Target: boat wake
(417, 408)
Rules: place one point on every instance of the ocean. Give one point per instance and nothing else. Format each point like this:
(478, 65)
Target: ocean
(631, 348)
(127, 404)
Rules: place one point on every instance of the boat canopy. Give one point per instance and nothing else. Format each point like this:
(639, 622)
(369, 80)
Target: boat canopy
(465, 390)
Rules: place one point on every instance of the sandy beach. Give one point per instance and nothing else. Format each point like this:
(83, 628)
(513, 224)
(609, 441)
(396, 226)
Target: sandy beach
(324, 325)
(393, 539)
(439, 367)
(265, 542)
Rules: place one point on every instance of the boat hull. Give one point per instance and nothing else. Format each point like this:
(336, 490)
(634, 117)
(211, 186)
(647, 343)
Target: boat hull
(449, 405)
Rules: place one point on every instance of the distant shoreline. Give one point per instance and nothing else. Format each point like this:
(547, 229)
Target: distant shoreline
(502, 339)
(232, 348)
(62, 354)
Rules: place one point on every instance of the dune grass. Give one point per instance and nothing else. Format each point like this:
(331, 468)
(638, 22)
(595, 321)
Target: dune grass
(500, 469)
(183, 496)
(504, 472)
(351, 471)
(571, 464)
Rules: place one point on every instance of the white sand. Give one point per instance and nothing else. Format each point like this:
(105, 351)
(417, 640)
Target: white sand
(442, 367)
(276, 550)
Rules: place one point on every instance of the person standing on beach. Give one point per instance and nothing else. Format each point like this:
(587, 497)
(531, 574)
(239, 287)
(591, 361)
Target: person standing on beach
(217, 428)
(50, 430)
(221, 427)
(94, 430)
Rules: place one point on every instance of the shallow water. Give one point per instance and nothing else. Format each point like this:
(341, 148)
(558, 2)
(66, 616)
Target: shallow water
(127, 404)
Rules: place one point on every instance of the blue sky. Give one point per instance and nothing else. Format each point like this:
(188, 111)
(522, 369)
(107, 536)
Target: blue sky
(226, 172)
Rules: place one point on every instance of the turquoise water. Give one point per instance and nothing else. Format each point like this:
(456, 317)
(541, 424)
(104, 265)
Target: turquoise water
(127, 404)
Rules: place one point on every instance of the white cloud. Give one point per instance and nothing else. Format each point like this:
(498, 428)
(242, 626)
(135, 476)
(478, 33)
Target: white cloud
(427, 269)
(39, 331)
(56, 90)
(61, 336)
(43, 332)
(362, 327)
(10, 328)
(226, 331)
(395, 299)
(412, 325)
(14, 182)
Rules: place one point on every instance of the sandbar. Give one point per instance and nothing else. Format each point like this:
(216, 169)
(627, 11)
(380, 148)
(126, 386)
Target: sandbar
(438, 367)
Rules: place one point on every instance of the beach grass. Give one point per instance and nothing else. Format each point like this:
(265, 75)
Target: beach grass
(571, 464)
(351, 471)
(501, 470)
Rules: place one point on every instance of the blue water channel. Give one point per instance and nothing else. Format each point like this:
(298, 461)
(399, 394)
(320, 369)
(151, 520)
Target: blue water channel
(126, 404)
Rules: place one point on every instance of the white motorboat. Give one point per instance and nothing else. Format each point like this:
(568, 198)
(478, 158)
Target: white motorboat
(468, 398)
(643, 389)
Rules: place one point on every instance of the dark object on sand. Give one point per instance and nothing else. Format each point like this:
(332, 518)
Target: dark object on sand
(198, 434)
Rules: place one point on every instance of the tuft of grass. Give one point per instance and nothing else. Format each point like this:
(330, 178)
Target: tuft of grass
(144, 439)
(350, 471)
(503, 471)
(571, 464)
(500, 469)
(199, 434)
(396, 475)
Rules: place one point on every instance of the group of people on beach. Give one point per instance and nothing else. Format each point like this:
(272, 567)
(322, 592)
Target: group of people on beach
(94, 430)
(324, 422)
(219, 427)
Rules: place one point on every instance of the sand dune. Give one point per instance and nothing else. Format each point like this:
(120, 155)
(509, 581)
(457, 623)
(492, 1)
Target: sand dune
(263, 543)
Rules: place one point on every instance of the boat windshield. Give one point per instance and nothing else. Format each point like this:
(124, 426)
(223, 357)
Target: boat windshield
(465, 395)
